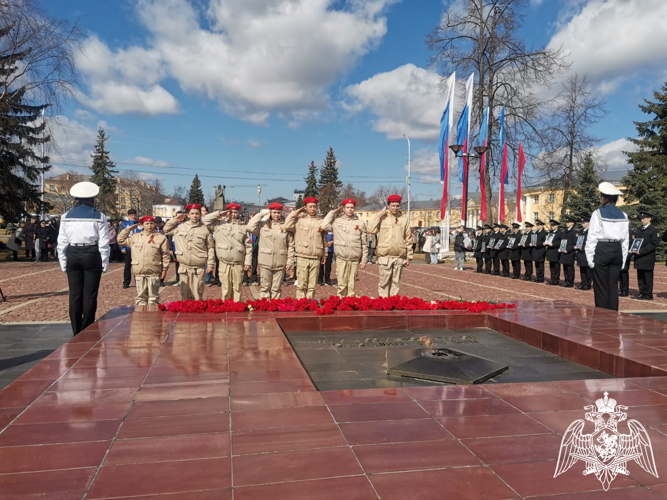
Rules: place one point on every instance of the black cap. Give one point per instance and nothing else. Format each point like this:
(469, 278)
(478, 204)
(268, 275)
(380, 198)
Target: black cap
(644, 214)
(131, 211)
(554, 222)
(486, 226)
(585, 218)
(528, 224)
(569, 218)
(504, 226)
(158, 219)
(539, 222)
(496, 225)
(479, 228)
(516, 225)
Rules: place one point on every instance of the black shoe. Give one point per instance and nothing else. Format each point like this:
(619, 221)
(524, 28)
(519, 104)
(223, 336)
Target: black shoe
(585, 288)
(478, 272)
(328, 283)
(568, 285)
(645, 297)
(528, 278)
(638, 296)
(126, 286)
(538, 281)
(623, 294)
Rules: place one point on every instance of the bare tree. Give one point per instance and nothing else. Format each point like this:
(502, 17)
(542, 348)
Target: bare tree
(566, 135)
(48, 72)
(348, 191)
(379, 197)
(482, 36)
(179, 195)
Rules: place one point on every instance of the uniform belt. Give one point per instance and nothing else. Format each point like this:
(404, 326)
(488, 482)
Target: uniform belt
(83, 244)
(609, 241)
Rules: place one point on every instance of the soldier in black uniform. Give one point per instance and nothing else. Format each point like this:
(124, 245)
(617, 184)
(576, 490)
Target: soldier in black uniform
(514, 250)
(538, 251)
(493, 252)
(485, 245)
(584, 271)
(527, 253)
(567, 255)
(645, 256)
(478, 249)
(553, 255)
(624, 276)
(504, 253)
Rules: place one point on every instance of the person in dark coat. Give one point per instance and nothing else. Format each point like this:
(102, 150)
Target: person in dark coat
(539, 251)
(486, 240)
(527, 252)
(624, 275)
(477, 249)
(54, 227)
(553, 255)
(567, 255)
(645, 256)
(29, 234)
(584, 271)
(42, 239)
(493, 252)
(514, 251)
(503, 252)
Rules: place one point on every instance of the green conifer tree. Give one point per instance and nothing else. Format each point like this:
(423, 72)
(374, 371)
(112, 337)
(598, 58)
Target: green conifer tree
(196, 194)
(586, 198)
(311, 181)
(646, 182)
(104, 176)
(329, 184)
(21, 131)
(299, 202)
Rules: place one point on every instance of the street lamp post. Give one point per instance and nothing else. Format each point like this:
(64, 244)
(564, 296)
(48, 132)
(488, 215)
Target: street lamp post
(480, 150)
(41, 208)
(259, 197)
(407, 179)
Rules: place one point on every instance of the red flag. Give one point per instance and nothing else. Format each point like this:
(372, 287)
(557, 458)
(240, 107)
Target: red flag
(503, 177)
(445, 194)
(482, 188)
(522, 163)
(464, 192)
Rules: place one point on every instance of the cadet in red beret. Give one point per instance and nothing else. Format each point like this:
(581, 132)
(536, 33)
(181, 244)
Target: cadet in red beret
(394, 249)
(311, 244)
(233, 248)
(150, 259)
(350, 248)
(195, 251)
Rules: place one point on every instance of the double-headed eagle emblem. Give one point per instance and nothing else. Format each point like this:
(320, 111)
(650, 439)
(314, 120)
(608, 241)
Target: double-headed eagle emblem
(606, 451)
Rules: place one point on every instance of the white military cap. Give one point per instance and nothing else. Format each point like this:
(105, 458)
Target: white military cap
(84, 190)
(610, 189)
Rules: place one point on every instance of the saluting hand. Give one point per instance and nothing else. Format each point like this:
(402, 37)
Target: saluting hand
(134, 226)
(338, 210)
(384, 210)
(181, 217)
(223, 213)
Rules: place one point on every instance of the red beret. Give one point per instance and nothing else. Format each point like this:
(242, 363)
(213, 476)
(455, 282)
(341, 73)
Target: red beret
(394, 198)
(233, 206)
(275, 206)
(310, 200)
(145, 218)
(195, 206)
(350, 200)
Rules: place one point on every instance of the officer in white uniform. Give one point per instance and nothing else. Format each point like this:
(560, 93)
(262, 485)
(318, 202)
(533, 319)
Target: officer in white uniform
(607, 246)
(83, 250)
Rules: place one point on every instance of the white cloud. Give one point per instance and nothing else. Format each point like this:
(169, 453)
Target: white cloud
(254, 144)
(124, 81)
(425, 167)
(253, 57)
(612, 154)
(406, 100)
(149, 162)
(71, 142)
(610, 40)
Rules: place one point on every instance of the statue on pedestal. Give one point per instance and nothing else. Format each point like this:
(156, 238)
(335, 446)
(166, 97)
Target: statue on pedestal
(219, 203)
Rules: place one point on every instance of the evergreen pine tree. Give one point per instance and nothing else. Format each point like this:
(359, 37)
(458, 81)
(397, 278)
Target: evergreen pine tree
(586, 199)
(311, 182)
(103, 175)
(329, 184)
(21, 132)
(646, 182)
(299, 202)
(196, 194)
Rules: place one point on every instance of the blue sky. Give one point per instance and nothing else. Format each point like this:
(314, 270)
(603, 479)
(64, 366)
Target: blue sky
(244, 92)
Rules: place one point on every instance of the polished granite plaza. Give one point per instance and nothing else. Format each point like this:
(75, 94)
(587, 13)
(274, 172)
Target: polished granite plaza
(161, 406)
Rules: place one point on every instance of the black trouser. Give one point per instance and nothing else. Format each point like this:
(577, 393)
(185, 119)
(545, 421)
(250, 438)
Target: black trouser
(645, 281)
(516, 268)
(325, 269)
(487, 265)
(528, 269)
(568, 273)
(15, 254)
(586, 276)
(480, 264)
(554, 271)
(30, 252)
(539, 270)
(624, 278)
(496, 265)
(506, 267)
(84, 271)
(608, 263)
(127, 273)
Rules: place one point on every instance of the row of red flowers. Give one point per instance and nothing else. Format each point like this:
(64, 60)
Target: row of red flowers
(330, 305)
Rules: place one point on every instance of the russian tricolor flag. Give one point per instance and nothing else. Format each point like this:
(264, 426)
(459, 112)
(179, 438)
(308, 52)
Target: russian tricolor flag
(446, 123)
(504, 173)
